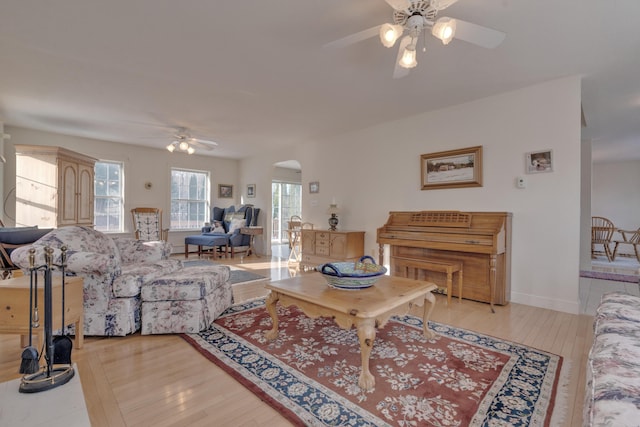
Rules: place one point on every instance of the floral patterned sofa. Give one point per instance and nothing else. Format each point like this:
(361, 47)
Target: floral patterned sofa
(114, 270)
(613, 366)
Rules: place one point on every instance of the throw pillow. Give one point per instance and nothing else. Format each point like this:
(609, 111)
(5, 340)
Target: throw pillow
(236, 223)
(218, 227)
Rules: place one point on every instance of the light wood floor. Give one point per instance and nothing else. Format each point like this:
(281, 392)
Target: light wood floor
(161, 380)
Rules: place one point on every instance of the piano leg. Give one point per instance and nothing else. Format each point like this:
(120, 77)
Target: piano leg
(492, 279)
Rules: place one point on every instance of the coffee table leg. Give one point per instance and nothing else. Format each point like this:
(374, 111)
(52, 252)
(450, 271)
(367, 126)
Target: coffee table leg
(366, 336)
(428, 308)
(271, 301)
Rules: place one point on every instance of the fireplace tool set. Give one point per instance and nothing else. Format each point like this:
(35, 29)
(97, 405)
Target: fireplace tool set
(58, 369)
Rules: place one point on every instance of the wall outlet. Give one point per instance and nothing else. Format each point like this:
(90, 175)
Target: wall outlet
(521, 182)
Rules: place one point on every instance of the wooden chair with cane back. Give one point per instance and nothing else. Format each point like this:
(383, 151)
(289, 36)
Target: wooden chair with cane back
(147, 224)
(602, 230)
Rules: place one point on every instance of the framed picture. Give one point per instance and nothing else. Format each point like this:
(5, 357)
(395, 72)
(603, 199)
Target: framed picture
(314, 187)
(452, 169)
(225, 191)
(539, 161)
(251, 190)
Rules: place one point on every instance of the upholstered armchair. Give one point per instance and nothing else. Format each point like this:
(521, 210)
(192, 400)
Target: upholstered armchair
(230, 222)
(113, 269)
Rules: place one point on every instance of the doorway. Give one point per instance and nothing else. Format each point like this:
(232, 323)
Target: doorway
(286, 201)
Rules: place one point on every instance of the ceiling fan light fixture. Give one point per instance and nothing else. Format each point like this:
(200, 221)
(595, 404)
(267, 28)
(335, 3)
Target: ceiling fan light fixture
(191, 150)
(444, 29)
(184, 145)
(171, 147)
(408, 59)
(389, 34)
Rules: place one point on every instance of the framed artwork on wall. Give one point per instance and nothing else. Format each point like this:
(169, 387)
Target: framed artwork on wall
(539, 161)
(452, 169)
(251, 190)
(225, 191)
(314, 187)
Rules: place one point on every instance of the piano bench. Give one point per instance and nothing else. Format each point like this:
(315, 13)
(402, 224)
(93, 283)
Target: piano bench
(436, 265)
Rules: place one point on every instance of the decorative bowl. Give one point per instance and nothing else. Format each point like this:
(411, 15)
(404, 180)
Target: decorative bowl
(352, 275)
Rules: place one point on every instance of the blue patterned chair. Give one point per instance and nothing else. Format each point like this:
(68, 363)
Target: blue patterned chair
(226, 225)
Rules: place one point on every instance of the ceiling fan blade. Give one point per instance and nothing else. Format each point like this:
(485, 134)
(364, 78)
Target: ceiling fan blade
(442, 4)
(399, 4)
(398, 71)
(354, 38)
(478, 35)
(202, 143)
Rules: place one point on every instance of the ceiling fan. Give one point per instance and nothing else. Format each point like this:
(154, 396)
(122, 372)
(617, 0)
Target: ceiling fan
(183, 141)
(416, 17)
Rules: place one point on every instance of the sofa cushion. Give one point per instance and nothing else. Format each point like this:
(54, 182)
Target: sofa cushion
(134, 276)
(134, 251)
(191, 283)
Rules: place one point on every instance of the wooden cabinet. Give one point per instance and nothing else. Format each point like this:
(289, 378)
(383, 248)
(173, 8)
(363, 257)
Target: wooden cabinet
(54, 187)
(320, 247)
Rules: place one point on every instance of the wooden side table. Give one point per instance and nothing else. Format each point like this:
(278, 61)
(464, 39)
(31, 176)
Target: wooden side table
(253, 232)
(14, 307)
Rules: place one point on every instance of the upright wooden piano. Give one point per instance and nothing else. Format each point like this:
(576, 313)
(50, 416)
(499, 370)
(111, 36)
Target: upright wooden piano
(481, 241)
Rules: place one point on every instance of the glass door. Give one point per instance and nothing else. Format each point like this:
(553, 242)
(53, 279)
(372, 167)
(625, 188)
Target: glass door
(286, 198)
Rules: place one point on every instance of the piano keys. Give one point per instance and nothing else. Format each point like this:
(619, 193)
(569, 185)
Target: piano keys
(481, 241)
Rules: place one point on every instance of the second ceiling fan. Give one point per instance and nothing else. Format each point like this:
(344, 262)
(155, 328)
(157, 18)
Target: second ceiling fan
(416, 17)
(183, 141)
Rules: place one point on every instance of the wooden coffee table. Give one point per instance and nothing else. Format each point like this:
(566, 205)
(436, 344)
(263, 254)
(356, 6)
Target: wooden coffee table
(367, 309)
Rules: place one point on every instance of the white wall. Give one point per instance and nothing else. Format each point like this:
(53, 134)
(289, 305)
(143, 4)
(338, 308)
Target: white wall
(616, 195)
(376, 170)
(141, 164)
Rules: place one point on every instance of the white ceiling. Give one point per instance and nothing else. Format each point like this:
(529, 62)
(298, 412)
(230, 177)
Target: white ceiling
(253, 75)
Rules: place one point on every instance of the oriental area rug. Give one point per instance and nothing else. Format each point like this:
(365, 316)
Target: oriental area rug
(310, 372)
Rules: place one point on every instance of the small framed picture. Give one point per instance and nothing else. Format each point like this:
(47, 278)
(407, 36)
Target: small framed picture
(225, 191)
(539, 161)
(251, 190)
(314, 187)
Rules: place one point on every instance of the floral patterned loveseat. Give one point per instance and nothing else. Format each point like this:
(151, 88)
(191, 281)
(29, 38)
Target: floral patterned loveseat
(613, 366)
(114, 269)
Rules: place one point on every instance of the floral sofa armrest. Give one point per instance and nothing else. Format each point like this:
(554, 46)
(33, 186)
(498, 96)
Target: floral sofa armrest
(134, 251)
(77, 262)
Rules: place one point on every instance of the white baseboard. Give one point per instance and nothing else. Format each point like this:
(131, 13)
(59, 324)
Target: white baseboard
(566, 306)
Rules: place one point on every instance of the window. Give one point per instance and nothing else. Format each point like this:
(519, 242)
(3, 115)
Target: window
(108, 201)
(189, 198)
